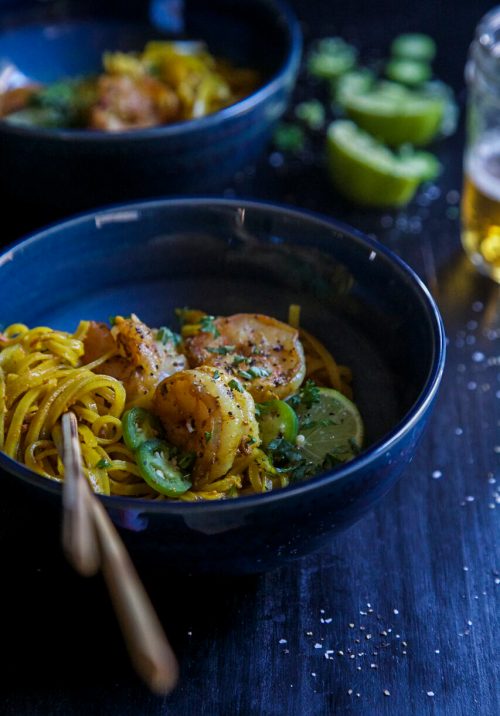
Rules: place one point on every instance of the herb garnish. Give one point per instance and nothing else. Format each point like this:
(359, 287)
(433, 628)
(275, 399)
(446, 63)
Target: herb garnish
(307, 395)
(207, 325)
(164, 335)
(221, 350)
(208, 436)
(236, 385)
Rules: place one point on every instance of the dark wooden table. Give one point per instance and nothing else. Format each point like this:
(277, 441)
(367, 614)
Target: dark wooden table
(399, 615)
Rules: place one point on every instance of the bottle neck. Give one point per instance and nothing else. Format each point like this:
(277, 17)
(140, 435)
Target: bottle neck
(483, 67)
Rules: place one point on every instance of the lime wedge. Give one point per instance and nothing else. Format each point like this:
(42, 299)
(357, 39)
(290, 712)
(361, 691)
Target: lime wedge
(397, 115)
(369, 173)
(332, 429)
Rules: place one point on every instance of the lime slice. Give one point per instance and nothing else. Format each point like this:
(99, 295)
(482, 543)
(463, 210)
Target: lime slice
(409, 72)
(414, 46)
(332, 429)
(331, 57)
(353, 83)
(397, 115)
(369, 173)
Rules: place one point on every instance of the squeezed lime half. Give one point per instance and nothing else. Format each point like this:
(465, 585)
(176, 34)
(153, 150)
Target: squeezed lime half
(369, 173)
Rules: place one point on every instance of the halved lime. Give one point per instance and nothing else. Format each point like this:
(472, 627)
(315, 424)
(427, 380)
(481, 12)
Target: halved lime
(397, 115)
(369, 173)
(332, 429)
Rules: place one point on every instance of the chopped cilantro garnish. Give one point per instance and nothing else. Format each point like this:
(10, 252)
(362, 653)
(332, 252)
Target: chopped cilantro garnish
(164, 335)
(221, 350)
(111, 320)
(186, 461)
(207, 325)
(307, 395)
(251, 440)
(236, 385)
(208, 436)
(239, 359)
(257, 372)
(245, 374)
(286, 457)
(216, 374)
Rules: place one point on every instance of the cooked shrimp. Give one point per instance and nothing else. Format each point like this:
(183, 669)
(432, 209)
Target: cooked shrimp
(139, 360)
(126, 102)
(264, 354)
(202, 413)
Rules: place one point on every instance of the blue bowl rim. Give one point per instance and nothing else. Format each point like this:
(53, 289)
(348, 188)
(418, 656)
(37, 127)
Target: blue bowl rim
(370, 455)
(288, 68)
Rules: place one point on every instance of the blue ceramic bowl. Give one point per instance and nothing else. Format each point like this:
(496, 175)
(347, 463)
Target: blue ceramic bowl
(55, 172)
(226, 256)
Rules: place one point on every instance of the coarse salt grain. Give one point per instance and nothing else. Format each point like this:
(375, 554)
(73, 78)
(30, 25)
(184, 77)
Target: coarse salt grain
(430, 693)
(395, 611)
(282, 641)
(318, 646)
(387, 692)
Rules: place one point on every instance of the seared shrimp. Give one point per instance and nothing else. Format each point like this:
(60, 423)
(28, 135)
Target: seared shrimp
(264, 354)
(139, 360)
(129, 102)
(202, 413)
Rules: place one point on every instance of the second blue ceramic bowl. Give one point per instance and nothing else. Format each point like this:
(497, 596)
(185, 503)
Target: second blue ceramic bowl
(225, 256)
(56, 172)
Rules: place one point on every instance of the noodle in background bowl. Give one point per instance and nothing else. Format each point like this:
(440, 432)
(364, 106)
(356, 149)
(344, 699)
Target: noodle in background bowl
(227, 256)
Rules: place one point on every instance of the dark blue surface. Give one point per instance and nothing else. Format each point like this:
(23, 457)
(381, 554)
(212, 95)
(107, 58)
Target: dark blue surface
(231, 256)
(77, 169)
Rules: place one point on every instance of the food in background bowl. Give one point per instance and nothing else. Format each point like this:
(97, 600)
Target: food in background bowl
(166, 82)
(219, 410)
(59, 170)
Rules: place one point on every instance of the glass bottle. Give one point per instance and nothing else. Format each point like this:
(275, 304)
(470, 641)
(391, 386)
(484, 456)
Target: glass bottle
(481, 190)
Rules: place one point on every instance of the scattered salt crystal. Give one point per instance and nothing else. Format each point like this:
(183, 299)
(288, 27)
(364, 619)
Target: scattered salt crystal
(437, 474)
(477, 357)
(351, 626)
(282, 641)
(395, 611)
(349, 691)
(469, 498)
(387, 692)
(458, 431)
(318, 646)
(436, 651)
(430, 693)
